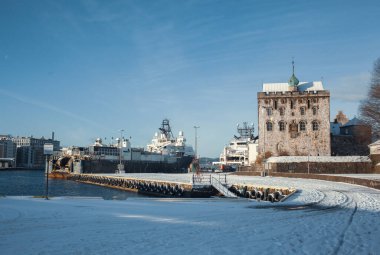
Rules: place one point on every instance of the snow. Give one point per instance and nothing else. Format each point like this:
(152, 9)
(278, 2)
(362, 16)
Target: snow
(302, 86)
(321, 218)
(298, 159)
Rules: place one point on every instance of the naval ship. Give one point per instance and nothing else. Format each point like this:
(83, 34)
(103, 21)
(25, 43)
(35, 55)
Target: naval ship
(165, 154)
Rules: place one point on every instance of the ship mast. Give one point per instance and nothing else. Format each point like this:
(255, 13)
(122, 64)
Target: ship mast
(166, 129)
(246, 131)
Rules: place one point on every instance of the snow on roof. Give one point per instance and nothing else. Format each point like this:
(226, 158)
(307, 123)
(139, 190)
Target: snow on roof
(377, 143)
(354, 122)
(299, 159)
(302, 86)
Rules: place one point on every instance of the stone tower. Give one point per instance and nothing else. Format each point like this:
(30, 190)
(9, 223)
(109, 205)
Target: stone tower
(294, 118)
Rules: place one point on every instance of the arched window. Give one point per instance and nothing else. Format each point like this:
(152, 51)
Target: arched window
(315, 125)
(302, 126)
(269, 126)
(282, 111)
(315, 110)
(282, 125)
(302, 110)
(269, 111)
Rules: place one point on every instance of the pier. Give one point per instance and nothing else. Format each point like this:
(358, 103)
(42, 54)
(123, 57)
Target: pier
(200, 186)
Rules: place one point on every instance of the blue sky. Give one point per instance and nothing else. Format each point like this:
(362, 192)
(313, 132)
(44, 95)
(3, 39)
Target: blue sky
(87, 69)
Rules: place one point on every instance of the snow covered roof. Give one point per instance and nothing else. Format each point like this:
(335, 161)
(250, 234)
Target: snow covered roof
(377, 143)
(302, 86)
(298, 159)
(354, 122)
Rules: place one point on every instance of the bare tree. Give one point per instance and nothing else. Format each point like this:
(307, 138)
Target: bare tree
(370, 107)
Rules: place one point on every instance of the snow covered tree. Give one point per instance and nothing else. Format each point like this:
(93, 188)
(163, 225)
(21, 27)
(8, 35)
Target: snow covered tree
(370, 107)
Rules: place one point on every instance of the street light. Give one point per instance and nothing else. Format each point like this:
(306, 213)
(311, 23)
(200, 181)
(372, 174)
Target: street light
(120, 166)
(196, 141)
(48, 150)
(308, 151)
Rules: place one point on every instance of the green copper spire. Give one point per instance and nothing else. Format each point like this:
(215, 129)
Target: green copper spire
(293, 81)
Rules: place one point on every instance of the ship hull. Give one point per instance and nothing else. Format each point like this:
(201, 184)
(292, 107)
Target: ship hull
(131, 166)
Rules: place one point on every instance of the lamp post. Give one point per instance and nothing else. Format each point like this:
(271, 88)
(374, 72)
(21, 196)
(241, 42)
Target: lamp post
(308, 152)
(120, 167)
(48, 150)
(308, 157)
(196, 141)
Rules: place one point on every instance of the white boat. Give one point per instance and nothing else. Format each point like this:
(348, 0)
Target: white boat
(166, 144)
(241, 151)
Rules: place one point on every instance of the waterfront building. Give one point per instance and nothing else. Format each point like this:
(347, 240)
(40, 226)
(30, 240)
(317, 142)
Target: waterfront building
(7, 151)
(294, 118)
(30, 151)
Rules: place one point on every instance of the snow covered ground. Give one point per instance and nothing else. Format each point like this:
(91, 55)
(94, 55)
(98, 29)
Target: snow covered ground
(322, 218)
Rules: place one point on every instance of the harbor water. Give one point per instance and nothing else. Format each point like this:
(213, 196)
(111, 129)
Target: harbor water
(33, 183)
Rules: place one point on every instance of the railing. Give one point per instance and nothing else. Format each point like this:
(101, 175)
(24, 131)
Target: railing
(221, 187)
(201, 179)
(206, 178)
(219, 182)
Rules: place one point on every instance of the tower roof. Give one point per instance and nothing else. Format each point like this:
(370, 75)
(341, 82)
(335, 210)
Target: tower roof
(302, 86)
(293, 81)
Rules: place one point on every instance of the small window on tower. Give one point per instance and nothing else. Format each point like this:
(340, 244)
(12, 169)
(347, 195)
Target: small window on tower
(302, 126)
(315, 110)
(302, 110)
(282, 111)
(269, 126)
(315, 126)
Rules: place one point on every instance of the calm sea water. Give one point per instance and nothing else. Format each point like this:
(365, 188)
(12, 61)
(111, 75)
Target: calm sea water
(32, 183)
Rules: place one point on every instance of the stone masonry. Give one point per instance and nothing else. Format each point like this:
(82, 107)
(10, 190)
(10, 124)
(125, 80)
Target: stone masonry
(294, 120)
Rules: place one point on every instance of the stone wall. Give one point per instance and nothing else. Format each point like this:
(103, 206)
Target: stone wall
(343, 145)
(315, 168)
(323, 167)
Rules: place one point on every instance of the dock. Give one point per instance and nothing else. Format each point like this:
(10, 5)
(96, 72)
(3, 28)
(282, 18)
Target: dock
(200, 186)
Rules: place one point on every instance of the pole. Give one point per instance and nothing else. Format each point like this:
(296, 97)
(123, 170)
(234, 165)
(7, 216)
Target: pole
(308, 156)
(120, 150)
(264, 127)
(47, 178)
(120, 145)
(196, 141)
